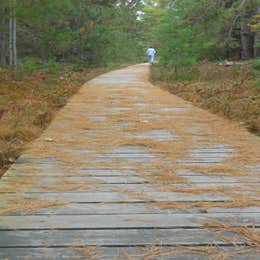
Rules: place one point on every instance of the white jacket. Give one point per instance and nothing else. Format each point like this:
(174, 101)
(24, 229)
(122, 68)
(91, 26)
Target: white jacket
(151, 52)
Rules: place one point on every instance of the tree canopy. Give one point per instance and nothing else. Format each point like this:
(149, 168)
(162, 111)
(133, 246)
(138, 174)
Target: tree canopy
(91, 32)
(98, 32)
(186, 31)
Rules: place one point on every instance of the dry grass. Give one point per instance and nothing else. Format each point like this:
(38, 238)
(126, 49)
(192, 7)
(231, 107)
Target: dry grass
(27, 106)
(91, 253)
(191, 190)
(28, 205)
(238, 201)
(215, 252)
(136, 194)
(249, 235)
(218, 170)
(158, 173)
(210, 252)
(64, 184)
(149, 253)
(228, 91)
(17, 185)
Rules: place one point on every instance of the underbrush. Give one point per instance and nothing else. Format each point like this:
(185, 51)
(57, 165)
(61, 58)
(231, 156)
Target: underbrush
(29, 103)
(231, 91)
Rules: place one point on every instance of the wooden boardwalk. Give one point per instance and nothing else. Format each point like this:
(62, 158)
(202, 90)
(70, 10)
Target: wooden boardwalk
(128, 171)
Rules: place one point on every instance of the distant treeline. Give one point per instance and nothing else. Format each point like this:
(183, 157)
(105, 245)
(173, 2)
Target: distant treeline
(185, 31)
(98, 32)
(82, 32)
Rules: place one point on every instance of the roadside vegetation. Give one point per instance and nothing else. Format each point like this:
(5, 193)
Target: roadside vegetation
(28, 105)
(230, 91)
(208, 53)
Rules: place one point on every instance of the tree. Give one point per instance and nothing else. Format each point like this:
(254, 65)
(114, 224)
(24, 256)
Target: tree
(12, 36)
(3, 33)
(255, 27)
(186, 31)
(247, 9)
(85, 32)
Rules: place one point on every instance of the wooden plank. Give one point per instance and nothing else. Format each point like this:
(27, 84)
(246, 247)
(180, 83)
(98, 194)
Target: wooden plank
(109, 174)
(222, 148)
(127, 208)
(124, 196)
(102, 158)
(98, 179)
(117, 237)
(7, 187)
(119, 253)
(136, 221)
(210, 155)
(203, 153)
(83, 172)
(127, 156)
(141, 180)
(146, 159)
(221, 179)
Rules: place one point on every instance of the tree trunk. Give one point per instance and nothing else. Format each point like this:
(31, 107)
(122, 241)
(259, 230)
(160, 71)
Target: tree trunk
(3, 48)
(257, 45)
(3, 37)
(247, 38)
(257, 38)
(14, 44)
(12, 38)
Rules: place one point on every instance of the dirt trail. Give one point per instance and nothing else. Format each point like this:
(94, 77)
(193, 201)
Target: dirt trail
(128, 171)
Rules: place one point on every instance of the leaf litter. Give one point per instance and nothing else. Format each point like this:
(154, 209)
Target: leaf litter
(101, 136)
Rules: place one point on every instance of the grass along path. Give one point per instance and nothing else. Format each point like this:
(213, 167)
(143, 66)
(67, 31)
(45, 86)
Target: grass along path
(128, 171)
(28, 105)
(229, 91)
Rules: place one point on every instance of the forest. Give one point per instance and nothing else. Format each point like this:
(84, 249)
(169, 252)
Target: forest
(76, 32)
(49, 48)
(96, 32)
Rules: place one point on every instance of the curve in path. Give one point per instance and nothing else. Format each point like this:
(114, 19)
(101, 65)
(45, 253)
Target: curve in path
(129, 171)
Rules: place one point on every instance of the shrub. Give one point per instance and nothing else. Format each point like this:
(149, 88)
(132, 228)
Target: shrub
(256, 67)
(28, 67)
(53, 67)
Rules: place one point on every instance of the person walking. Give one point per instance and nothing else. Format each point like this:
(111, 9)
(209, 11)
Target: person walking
(151, 54)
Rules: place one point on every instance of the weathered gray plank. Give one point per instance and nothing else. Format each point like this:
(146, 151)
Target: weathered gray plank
(128, 208)
(83, 172)
(124, 196)
(140, 180)
(127, 156)
(126, 221)
(102, 172)
(102, 158)
(99, 179)
(6, 187)
(119, 237)
(118, 253)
